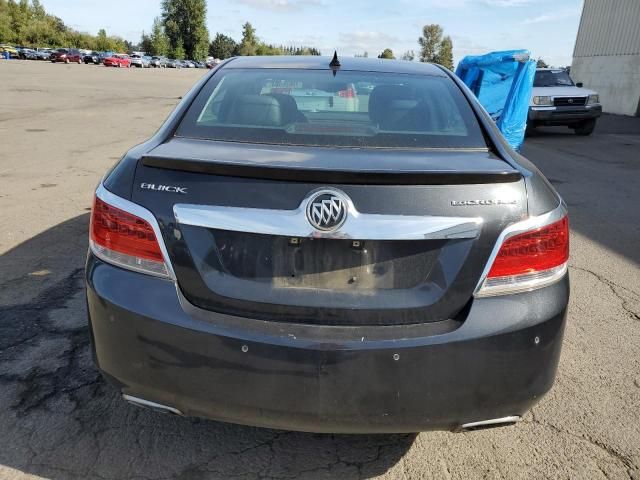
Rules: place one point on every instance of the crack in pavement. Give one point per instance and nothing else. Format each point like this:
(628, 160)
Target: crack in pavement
(613, 286)
(631, 467)
(23, 326)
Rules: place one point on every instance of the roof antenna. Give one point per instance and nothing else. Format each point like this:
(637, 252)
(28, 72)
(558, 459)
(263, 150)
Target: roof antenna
(335, 63)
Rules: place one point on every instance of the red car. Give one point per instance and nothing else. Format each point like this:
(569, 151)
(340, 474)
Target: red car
(119, 60)
(66, 55)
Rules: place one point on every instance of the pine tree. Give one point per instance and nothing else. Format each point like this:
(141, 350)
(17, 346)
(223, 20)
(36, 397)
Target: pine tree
(249, 42)
(185, 25)
(159, 40)
(445, 53)
(409, 55)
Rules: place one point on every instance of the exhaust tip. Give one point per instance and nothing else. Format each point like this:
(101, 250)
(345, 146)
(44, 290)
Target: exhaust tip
(158, 407)
(493, 423)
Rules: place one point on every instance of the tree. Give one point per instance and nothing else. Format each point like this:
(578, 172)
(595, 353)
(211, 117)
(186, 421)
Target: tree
(409, 55)
(146, 45)
(223, 47)
(387, 53)
(102, 42)
(26, 22)
(159, 39)
(37, 9)
(185, 25)
(541, 64)
(249, 42)
(362, 55)
(178, 52)
(445, 53)
(430, 42)
(434, 48)
(267, 49)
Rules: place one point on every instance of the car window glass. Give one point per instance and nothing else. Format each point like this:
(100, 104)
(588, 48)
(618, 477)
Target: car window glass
(551, 78)
(314, 107)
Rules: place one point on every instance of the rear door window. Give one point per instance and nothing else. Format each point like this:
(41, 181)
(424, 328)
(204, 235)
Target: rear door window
(314, 107)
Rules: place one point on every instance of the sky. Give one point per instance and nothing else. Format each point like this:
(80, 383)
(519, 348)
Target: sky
(545, 27)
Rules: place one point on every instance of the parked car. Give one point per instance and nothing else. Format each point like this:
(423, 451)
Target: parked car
(171, 63)
(66, 55)
(118, 60)
(391, 270)
(557, 101)
(43, 54)
(105, 55)
(13, 52)
(213, 62)
(93, 57)
(27, 53)
(158, 62)
(140, 61)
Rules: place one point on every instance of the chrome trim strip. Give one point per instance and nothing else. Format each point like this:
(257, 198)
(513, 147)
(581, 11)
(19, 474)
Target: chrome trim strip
(493, 421)
(357, 226)
(146, 403)
(520, 227)
(105, 195)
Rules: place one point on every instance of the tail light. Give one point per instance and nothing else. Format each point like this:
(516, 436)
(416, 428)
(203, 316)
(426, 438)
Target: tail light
(532, 259)
(125, 240)
(348, 93)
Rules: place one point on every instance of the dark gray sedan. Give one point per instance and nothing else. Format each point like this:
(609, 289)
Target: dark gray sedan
(291, 251)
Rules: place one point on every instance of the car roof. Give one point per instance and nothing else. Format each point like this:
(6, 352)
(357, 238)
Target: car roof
(346, 63)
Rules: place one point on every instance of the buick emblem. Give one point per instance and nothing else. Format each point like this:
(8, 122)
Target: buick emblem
(327, 210)
(570, 100)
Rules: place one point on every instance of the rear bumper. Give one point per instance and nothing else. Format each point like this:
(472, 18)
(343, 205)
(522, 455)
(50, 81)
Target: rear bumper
(563, 115)
(154, 345)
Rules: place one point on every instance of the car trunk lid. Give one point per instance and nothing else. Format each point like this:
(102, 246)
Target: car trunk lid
(419, 229)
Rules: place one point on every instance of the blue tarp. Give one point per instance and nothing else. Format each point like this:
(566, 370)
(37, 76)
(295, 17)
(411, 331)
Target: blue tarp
(502, 81)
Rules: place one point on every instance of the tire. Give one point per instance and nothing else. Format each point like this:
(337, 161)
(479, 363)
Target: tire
(585, 128)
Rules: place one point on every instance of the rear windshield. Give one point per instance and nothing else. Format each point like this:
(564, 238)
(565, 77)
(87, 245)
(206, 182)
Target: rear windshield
(316, 108)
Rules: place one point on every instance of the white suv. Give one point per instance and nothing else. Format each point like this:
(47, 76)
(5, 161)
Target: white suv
(556, 100)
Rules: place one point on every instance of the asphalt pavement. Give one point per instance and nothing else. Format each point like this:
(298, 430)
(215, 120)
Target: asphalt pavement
(62, 126)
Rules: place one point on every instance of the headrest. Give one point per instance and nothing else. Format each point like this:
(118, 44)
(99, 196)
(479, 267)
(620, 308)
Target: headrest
(258, 110)
(389, 103)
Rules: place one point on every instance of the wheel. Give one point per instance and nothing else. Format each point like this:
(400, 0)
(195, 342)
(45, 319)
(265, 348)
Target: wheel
(585, 128)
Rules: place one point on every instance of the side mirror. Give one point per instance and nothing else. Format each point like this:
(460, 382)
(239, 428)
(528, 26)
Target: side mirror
(579, 84)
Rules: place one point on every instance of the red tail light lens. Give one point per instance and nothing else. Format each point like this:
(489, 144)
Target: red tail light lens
(529, 260)
(533, 251)
(124, 239)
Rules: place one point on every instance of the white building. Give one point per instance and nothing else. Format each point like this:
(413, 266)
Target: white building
(606, 57)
